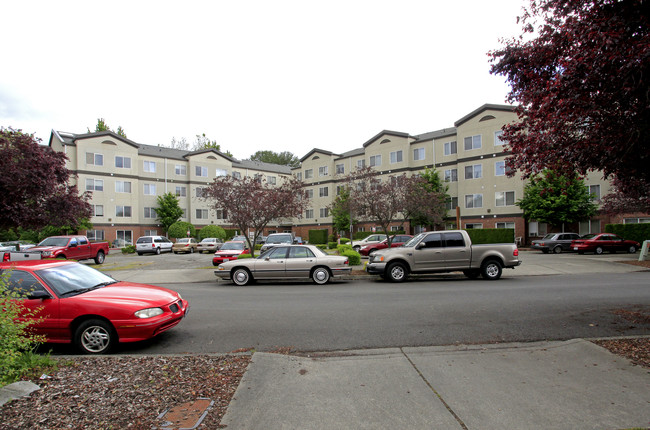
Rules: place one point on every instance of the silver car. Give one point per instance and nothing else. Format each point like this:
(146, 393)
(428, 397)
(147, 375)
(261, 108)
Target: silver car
(555, 242)
(210, 245)
(153, 244)
(286, 262)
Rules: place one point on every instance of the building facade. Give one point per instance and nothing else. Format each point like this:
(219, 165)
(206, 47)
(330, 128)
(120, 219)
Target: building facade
(125, 179)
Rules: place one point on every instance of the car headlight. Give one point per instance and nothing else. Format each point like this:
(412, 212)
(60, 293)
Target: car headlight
(148, 313)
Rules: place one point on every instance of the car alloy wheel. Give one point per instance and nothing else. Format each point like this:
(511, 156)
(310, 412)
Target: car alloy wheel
(95, 337)
(632, 249)
(397, 272)
(320, 275)
(491, 270)
(599, 250)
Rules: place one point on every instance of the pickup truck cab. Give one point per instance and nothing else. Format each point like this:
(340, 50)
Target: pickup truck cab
(444, 251)
(73, 248)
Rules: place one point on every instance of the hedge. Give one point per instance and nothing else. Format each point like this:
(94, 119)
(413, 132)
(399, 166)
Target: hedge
(637, 232)
(491, 235)
(318, 237)
(353, 257)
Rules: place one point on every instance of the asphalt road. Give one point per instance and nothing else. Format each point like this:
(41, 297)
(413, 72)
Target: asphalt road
(369, 313)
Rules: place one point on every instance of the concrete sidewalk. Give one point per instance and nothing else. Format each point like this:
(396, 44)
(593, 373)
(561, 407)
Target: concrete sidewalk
(559, 385)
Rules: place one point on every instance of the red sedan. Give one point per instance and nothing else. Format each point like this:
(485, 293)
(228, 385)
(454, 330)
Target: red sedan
(398, 240)
(78, 304)
(599, 243)
(229, 251)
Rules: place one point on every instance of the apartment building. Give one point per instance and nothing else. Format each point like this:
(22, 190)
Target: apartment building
(126, 178)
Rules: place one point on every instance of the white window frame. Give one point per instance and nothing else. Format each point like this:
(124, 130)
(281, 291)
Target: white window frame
(451, 175)
(220, 172)
(97, 159)
(96, 212)
(201, 171)
(474, 198)
(450, 148)
(594, 189)
(323, 171)
(451, 204)
(149, 166)
(149, 189)
(123, 187)
(272, 180)
(419, 154)
(124, 162)
(497, 138)
(361, 164)
(324, 212)
(476, 171)
(309, 193)
(202, 214)
(180, 170)
(498, 170)
(475, 142)
(396, 157)
(150, 213)
(309, 173)
(309, 213)
(375, 160)
(323, 191)
(340, 169)
(505, 224)
(180, 191)
(123, 209)
(501, 198)
(97, 184)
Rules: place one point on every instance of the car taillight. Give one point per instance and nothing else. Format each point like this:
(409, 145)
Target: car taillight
(515, 253)
(347, 262)
(153, 245)
(6, 256)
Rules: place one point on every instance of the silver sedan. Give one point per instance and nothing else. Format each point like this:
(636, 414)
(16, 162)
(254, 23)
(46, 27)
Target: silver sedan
(286, 262)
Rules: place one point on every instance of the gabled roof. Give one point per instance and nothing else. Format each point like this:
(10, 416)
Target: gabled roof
(487, 106)
(387, 133)
(320, 151)
(203, 151)
(435, 134)
(70, 138)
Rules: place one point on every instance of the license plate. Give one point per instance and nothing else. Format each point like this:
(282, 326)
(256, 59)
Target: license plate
(575, 248)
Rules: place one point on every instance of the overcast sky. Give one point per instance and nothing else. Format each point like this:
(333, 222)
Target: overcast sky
(252, 75)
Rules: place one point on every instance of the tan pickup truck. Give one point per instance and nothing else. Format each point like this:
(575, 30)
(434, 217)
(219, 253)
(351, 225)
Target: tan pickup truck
(444, 251)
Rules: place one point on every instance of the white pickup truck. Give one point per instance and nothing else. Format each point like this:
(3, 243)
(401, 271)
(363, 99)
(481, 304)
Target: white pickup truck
(444, 251)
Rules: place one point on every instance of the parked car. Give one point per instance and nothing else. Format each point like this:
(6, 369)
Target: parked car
(239, 238)
(16, 245)
(72, 247)
(275, 239)
(370, 240)
(186, 244)
(444, 251)
(83, 306)
(599, 243)
(209, 244)
(230, 251)
(398, 240)
(555, 242)
(286, 262)
(153, 244)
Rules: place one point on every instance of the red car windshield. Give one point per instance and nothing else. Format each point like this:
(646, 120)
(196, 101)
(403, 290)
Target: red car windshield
(71, 278)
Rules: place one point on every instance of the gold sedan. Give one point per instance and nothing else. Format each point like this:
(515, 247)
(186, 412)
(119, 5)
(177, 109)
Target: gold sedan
(286, 262)
(187, 244)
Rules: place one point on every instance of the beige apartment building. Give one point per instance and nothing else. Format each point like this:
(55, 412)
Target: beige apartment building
(125, 178)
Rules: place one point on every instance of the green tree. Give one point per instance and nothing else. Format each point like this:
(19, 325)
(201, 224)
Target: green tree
(102, 126)
(341, 211)
(203, 142)
(168, 210)
(284, 158)
(212, 231)
(434, 186)
(180, 228)
(556, 199)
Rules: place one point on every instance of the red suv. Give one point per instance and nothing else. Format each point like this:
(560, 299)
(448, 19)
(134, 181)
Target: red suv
(398, 240)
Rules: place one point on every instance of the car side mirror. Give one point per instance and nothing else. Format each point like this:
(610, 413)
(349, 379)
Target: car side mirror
(73, 245)
(39, 295)
(419, 245)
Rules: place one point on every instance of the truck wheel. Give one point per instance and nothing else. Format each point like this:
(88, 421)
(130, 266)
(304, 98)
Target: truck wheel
(491, 270)
(95, 337)
(397, 272)
(99, 258)
(472, 273)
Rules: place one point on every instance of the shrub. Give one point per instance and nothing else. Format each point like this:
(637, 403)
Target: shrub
(353, 257)
(317, 237)
(212, 231)
(17, 357)
(323, 247)
(491, 235)
(344, 240)
(128, 249)
(637, 232)
(179, 229)
(242, 256)
(332, 245)
(342, 248)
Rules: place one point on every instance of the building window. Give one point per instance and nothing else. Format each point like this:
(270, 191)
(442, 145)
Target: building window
(236, 175)
(181, 192)
(123, 211)
(299, 176)
(375, 160)
(475, 226)
(395, 157)
(451, 175)
(201, 214)
(339, 189)
(309, 173)
(309, 213)
(497, 138)
(324, 212)
(150, 213)
(122, 162)
(150, 166)
(474, 201)
(538, 228)
(125, 235)
(643, 220)
(594, 191)
(309, 194)
(452, 203)
(361, 164)
(221, 172)
(474, 171)
(221, 214)
(418, 154)
(504, 198)
(180, 170)
(94, 185)
(151, 232)
(323, 192)
(505, 225)
(200, 192)
(201, 171)
(149, 189)
(473, 142)
(95, 235)
(322, 171)
(122, 187)
(271, 180)
(98, 210)
(94, 159)
(340, 169)
(450, 148)
(500, 168)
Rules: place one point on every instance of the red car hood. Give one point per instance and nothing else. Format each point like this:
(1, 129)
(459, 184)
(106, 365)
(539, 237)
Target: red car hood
(138, 295)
